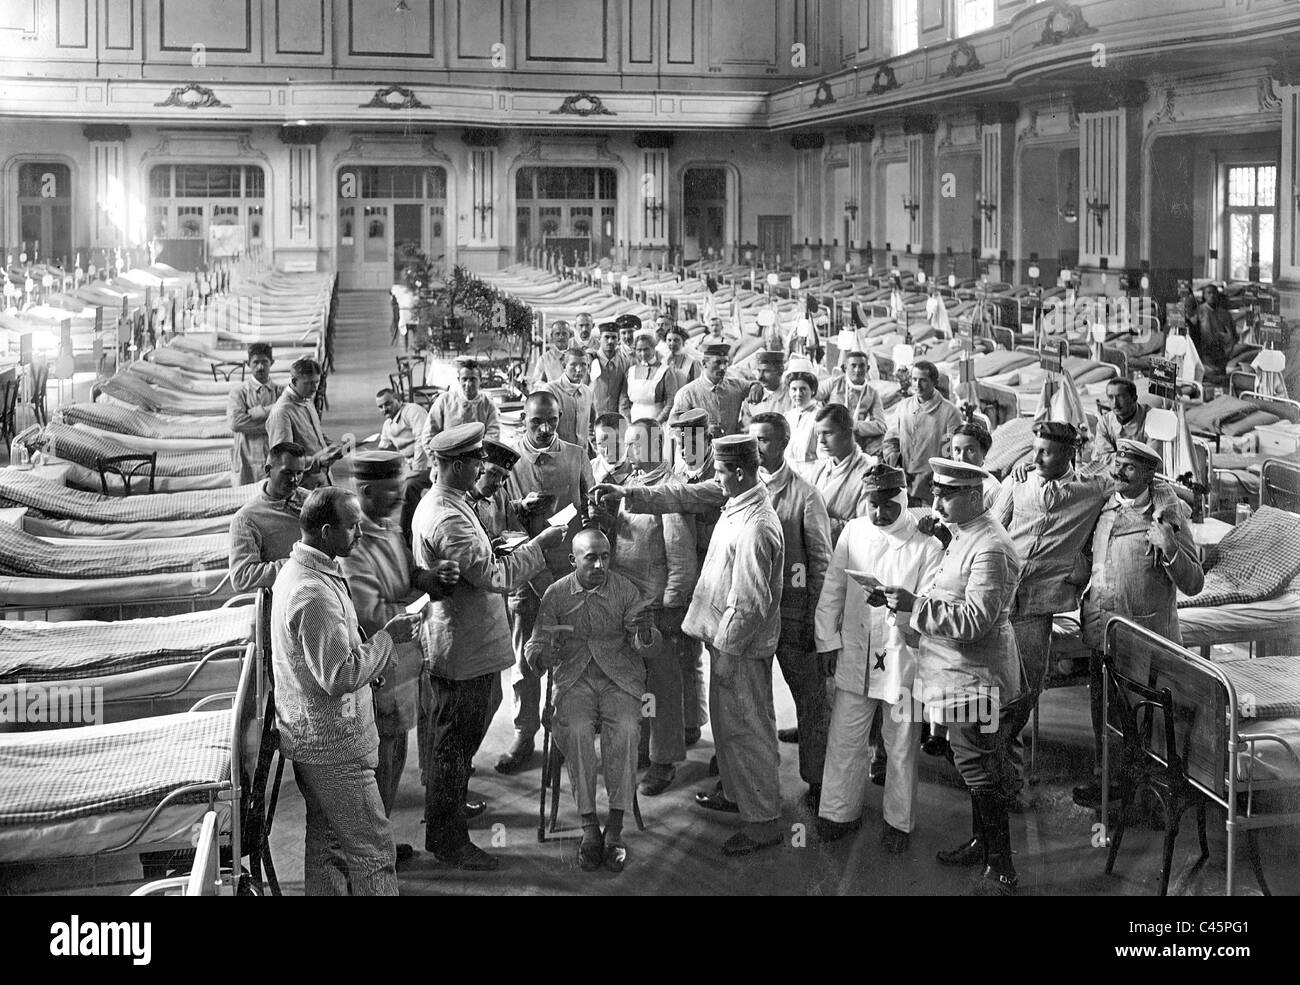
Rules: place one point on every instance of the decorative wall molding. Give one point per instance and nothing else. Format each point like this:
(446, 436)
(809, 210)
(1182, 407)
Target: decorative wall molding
(540, 146)
(1166, 113)
(862, 134)
(583, 104)
(963, 59)
(193, 96)
(394, 97)
(204, 145)
(1063, 24)
(808, 141)
(106, 132)
(823, 97)
(885, 80)
(1269, 101)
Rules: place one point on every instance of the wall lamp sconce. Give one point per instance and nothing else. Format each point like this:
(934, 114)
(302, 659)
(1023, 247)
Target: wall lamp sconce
(851, 208)
(986, 205)
(301, 208)
(1096, 207)
(912, 206)
(484, 209)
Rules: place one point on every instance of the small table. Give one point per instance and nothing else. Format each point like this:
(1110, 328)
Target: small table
(1209, 532)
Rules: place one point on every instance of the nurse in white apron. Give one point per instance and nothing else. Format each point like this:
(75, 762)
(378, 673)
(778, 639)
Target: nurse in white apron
(801, 452)
(651, 383)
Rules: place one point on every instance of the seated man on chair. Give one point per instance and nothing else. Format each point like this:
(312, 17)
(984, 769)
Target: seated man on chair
(591, 629)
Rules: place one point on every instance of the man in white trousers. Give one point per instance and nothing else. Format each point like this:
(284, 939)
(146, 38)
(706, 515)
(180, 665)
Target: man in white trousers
(874, 669)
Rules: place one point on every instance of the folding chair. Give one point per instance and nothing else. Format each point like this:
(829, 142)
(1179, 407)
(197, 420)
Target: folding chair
(553, 766)
(126, 468)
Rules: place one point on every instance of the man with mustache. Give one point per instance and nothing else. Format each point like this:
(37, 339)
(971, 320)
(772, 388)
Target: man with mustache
(247, 409)
(264, 530)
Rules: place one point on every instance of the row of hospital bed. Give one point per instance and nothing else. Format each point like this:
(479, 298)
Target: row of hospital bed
(174, 765)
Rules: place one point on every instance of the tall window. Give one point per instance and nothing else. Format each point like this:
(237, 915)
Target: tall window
(907, 29)
(187, 200)
(973, 15)
(1250, 219)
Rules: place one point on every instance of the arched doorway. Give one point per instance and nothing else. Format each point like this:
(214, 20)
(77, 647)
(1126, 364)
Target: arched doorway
(45, 210)
(704, 212)
(388, 215)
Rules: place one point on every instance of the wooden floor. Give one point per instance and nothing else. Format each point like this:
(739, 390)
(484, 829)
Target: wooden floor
(679, 850)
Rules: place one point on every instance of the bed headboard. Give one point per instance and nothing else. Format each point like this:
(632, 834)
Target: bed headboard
(1200, 699)
(1288, 410)
(1279, 484)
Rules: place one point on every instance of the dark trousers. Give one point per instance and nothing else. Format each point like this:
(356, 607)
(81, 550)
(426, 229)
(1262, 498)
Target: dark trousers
(416, 485)
(1034, 641)
(798, 662)
(457, 721)
(979, 753)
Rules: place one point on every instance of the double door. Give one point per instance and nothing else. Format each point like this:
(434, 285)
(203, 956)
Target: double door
(378, 239)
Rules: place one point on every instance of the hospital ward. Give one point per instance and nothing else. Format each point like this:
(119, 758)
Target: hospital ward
(911, 386)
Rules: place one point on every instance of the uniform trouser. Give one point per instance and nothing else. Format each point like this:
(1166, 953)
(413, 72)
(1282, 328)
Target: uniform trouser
(744, 730)
(848, 758)
(695, 704)
(1034, 640)
(349, 841)
(416, 485)
(799, 667)
(392, 761)
(667, 675)
(524, 681)
(594, 700)
(457, 717)
(979, 753)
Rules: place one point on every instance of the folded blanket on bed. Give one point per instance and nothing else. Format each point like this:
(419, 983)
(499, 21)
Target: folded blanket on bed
(61, 651)
(84, 448)
(1012, 441)
(50, 499)
(1256, 560)
(22, 555)
(1224, 411)
(168, 378)
(102, 769)
(143, 423)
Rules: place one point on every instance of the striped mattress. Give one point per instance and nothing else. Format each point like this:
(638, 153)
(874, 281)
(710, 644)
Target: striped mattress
(84, 447)
(25, 556)
(55, 501)
(143, 423)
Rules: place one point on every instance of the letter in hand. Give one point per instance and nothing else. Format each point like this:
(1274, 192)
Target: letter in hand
(402, 628)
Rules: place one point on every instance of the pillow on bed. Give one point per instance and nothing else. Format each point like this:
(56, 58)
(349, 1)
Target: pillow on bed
(1248, 423)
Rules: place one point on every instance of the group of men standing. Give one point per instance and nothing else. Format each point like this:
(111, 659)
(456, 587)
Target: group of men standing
(711, 539)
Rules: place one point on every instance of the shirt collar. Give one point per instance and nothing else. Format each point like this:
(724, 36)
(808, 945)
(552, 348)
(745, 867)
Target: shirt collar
(748, 498)
(840, 468)
(451, 492)
(316, 560)
(778, 478)
(601, 590)
(1142, 501)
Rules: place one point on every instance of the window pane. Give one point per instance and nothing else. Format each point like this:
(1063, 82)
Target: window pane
(907, 36)
(1265, 247)
(1241, 243)
(524, 184)
(1241, 186)
(1267, 186)
(608, 183)
(254, 183)
(223, 182)
(160, 181)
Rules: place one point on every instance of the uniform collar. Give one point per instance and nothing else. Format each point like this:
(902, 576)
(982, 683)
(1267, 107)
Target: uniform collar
(776, 480)
(750, 497)
(309, 557)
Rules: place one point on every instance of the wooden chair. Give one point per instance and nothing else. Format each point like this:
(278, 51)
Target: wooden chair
(424, 396)
(126, 468)
(221, 374)
(8, 408)
(1144, 765)
(553, 767)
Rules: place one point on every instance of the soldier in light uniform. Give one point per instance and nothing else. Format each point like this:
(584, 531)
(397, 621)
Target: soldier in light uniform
(969, 665)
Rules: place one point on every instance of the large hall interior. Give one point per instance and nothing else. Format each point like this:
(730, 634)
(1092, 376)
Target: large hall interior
(822, 349)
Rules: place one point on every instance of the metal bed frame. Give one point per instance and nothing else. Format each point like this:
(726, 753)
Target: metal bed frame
(1208, 713)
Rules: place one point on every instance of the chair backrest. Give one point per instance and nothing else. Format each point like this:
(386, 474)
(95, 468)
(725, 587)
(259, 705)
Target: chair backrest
(1136, 705)
(1195, 729)
(424, 396)
(126, 468)
(1279, 484)
(1240, 381)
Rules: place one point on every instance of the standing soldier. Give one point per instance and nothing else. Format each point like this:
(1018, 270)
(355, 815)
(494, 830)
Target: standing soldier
(1143, 555)
(247, 409)
(968, 660)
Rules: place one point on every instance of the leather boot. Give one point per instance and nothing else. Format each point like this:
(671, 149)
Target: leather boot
(999, 877)
(973, 852)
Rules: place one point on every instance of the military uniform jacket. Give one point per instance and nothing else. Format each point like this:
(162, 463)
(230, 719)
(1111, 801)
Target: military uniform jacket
(1126, 580)
(465, 635)
(964, 619)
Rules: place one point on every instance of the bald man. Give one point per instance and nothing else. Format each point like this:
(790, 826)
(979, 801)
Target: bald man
(591, 630)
